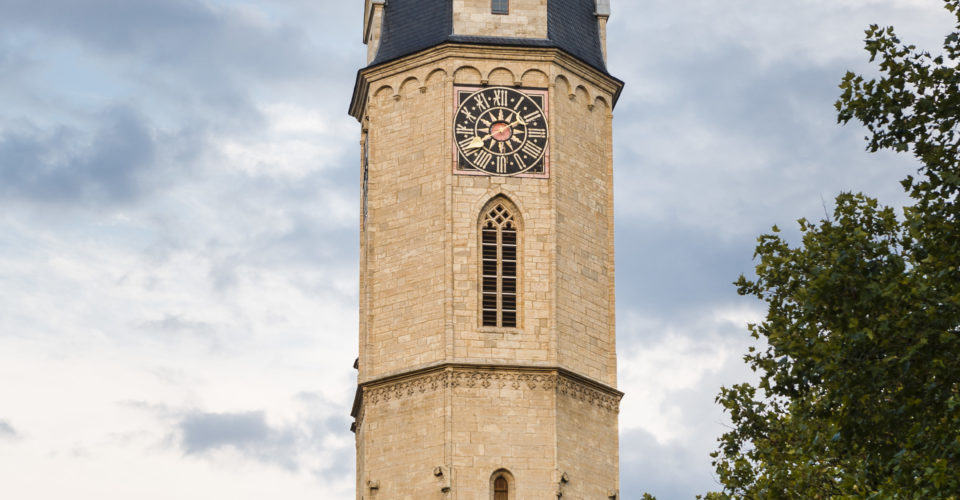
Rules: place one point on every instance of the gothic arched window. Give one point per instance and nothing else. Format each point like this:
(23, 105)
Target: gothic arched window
(498, 266)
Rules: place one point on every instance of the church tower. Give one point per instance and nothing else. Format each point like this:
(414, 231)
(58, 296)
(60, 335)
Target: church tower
(487, 357)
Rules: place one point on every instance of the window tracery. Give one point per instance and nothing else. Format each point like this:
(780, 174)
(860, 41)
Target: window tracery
(498, 267)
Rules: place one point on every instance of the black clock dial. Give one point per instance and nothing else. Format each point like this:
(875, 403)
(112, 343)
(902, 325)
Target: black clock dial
(501, 131)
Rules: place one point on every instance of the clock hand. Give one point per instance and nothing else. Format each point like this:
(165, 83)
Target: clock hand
(477, 142)
(518, 122)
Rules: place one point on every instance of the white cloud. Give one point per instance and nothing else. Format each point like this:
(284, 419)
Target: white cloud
(698, 355)
(294, 142)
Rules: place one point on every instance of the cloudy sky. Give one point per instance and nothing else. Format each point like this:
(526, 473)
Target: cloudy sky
(178, 229)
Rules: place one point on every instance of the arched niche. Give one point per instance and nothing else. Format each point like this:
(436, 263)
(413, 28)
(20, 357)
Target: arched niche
(501, 76)
(409, 87)
(467, 75)
(383, 93)
(535, 78)
(601, 104)
(435, 77)
(563, 86)
(581, 95)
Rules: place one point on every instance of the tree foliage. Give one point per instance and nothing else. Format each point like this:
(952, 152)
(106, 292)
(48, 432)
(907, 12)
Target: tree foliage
(859, 389)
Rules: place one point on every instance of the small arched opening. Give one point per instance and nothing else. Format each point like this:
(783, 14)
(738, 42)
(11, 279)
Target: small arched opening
(502, 485)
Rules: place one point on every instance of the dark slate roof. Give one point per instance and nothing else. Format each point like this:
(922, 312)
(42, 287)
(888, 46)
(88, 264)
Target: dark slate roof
(410, 26)
(413, 25)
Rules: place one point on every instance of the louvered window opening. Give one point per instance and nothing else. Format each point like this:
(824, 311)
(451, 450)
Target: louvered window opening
(499, 274)
(500, 489)
(500, 6)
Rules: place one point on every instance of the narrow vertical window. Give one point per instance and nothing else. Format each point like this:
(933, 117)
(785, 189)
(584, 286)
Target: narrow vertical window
(366, 177)
(498, 254)
(500, 6)
(500, 491)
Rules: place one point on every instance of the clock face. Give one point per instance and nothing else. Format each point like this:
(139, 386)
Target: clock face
(501, 131)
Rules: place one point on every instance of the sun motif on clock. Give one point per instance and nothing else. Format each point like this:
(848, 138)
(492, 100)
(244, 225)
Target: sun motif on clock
(500, 131)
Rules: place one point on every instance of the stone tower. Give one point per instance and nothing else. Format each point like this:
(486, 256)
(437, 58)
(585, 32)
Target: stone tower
(487, 359)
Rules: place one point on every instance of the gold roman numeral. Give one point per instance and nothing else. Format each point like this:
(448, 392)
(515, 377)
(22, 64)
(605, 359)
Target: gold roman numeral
(464, 130)
(501, 164)
(500, 97)
(537, 133)
(519, 161)
(532, 116)
(532, 149)
(482, 158)
(482, 102)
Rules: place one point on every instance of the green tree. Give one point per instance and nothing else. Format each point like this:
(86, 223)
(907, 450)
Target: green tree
(859, 376)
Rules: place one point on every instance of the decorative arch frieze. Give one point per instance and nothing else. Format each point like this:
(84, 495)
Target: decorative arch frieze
(489, 378)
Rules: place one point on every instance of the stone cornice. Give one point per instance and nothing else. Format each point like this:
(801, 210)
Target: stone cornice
(435, 378)
(452, 50)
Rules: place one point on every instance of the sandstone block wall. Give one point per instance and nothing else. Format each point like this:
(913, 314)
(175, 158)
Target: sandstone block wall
(583, 180)
(402, 442)
(587, 444)
(421, 252)
(503, 420)
(444, 434)
(420, 289)
(527, 19)
(405, 234)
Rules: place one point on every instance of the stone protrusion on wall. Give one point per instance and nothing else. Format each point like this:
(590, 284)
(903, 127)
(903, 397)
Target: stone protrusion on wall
(561, 483)
(443, 477)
